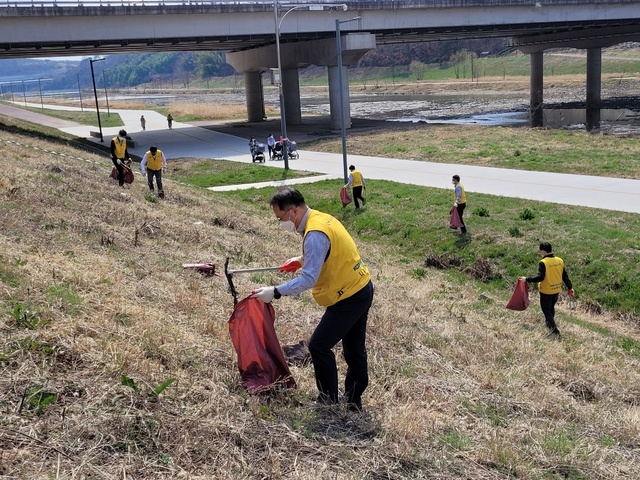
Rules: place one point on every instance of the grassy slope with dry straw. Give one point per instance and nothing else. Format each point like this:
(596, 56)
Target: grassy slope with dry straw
(97, 313)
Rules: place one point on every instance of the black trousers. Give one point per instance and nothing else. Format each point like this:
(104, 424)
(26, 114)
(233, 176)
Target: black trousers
(357, 194)
(460, 209)
(548, 306)
(116, 163)
(158, 176)
(346, 321)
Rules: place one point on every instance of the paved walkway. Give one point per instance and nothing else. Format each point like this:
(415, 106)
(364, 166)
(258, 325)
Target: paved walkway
(186, 140)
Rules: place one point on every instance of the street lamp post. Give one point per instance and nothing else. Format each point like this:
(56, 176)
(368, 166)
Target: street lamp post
(40, 88)
(343, 128)
(278, 22)
(95, 94)
(104, 83)
(80, 94)
(24, 93)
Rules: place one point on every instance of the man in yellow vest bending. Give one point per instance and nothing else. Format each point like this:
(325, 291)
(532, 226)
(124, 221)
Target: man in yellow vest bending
(551, 274)
(339, 281)
(119, 154)
(154, 163)
(356, 180)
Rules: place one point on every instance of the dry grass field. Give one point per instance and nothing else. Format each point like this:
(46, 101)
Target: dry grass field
(97, 315)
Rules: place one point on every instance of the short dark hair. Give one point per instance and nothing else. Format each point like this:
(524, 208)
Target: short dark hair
(456, 178)
(546, 246)
(285, 197)
(122, 133)
(351, 167)
(153, 149)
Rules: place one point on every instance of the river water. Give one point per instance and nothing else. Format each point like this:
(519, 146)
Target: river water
(489, 109)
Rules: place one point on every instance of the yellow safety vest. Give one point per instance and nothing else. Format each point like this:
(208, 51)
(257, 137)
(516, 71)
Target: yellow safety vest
(552, 282)
(357, 179)
(154, 162)
(343, 274)
(463, 196)
(121, 147)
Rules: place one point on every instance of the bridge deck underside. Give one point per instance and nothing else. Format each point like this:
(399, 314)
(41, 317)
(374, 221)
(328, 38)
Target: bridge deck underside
(605, 33)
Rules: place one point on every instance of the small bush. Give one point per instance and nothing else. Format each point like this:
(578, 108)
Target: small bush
(515, 232)
(517, 153)
(481, 212)
(527, 214)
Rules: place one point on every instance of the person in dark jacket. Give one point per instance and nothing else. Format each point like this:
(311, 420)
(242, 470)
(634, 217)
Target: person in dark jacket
(550, 277)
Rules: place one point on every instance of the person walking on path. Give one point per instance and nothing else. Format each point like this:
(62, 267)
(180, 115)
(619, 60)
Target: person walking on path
(170, 121)
(339, 280)
(459, 200)
(143, 122)
(271, 143)
(154, 162)
(550, 277)
(120, 154)
(356, 180)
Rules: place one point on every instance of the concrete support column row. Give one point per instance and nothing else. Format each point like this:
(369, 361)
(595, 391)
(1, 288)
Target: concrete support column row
(536, 89)
(254, 96)
(594, 88)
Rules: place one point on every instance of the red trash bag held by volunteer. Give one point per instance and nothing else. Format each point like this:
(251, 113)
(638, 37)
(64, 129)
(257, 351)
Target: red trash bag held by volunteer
(260, 358)
(520, 297)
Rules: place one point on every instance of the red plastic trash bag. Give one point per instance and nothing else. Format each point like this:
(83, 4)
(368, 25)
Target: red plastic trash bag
(260, 357)
(454, 220)
(344, 196)
(520, 298)
(128, 174)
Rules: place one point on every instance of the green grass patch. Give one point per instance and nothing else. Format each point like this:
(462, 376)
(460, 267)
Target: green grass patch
(214, 173)
(88, 117)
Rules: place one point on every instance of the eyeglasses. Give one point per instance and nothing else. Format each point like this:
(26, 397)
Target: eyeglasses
(285, 212)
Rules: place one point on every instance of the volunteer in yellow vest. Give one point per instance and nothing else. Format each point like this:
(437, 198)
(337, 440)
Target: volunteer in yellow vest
(339, 281)
(154, 163)
(551, 275)
(119, 154)
(459, 200)
(356, 180)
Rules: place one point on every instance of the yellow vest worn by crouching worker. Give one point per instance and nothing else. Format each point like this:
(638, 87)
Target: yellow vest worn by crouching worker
(357, 179)
(343, 274)
(463, 196)
(154, 162)
(552, 282)
(121, 147)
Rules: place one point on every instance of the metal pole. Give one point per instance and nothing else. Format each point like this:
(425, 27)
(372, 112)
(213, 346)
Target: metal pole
(283, 121)
(104, 82)
(95, 94)
(40, 88)
(80, 94)
(343, 129)
(24, 94)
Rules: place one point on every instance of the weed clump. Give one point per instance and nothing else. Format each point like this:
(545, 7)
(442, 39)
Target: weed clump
(527, 214)
(481, 212)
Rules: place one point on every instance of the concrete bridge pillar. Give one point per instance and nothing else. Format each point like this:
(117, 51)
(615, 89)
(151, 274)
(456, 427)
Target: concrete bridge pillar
(297, 55)
(291, 91)
(254, 96)
(334, 73)
(594, 85)
(536, 89)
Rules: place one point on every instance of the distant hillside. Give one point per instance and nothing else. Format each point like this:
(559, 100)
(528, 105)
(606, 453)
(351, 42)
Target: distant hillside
(182, 68)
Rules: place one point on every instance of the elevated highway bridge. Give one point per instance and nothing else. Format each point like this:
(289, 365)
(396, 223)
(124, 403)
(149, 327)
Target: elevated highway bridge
(307, 33)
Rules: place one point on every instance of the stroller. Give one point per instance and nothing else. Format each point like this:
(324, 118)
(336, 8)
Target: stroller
(257, 151)
(278, 151)
(293, 150)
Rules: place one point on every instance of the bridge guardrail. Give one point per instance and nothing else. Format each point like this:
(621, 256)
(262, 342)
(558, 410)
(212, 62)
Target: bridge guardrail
(137, 3)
